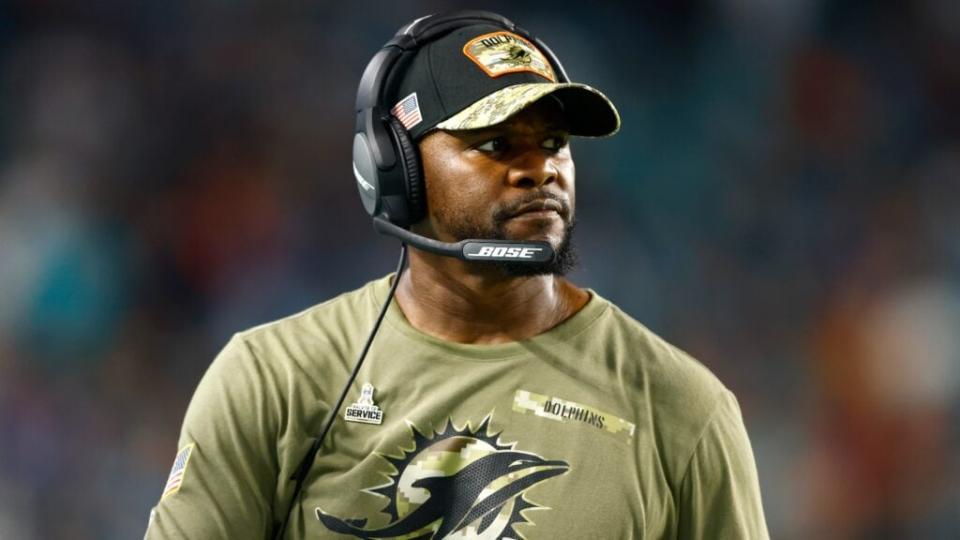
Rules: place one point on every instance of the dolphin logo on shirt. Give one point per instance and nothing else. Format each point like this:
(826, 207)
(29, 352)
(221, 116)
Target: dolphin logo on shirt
(481, 492)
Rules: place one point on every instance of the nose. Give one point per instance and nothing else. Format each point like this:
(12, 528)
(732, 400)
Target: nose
(532, 169)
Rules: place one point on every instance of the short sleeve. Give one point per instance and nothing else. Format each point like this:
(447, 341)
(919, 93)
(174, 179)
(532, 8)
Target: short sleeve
(224, 478)
(720, 494)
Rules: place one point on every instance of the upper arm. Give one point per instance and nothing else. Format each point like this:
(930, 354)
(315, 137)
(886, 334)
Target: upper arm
(228, 485)
(720, 493)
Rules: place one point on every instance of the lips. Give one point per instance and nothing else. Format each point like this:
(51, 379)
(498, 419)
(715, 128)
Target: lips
(540, 206)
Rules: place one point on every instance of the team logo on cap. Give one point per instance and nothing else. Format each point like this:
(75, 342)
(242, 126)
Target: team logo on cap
(500, 53)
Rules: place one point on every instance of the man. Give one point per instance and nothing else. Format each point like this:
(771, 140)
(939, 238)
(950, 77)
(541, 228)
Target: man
(499, 400)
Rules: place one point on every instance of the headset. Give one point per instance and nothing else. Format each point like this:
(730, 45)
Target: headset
(386, 166)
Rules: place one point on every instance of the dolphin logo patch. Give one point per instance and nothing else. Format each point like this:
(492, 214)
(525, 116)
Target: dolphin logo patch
(458, 483)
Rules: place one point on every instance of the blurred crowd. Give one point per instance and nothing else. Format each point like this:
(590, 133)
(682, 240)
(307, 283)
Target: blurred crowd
(783, 202)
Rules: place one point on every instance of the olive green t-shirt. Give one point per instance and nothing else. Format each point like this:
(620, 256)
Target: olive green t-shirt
(596, 429)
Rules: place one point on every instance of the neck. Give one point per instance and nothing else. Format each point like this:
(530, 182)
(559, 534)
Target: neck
(457, 301)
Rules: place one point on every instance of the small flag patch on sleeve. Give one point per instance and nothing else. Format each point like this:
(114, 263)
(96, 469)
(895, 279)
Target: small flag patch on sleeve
(407, 111)
(175, 480)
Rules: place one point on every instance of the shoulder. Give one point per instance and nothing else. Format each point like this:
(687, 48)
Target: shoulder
(334, 325)
(273, 366)
(678, 393)
(663, 369)
(273, 357)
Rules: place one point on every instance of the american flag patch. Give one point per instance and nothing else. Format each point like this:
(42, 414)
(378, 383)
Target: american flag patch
(176, 473)
(408, 111)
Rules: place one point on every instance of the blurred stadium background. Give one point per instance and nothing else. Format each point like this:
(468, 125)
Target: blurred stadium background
(783, 202)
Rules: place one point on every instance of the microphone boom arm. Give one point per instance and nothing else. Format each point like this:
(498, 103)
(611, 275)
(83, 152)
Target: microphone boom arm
(471, 249)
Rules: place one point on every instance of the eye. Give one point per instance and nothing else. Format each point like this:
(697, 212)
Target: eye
(497, 144)
(555, 143)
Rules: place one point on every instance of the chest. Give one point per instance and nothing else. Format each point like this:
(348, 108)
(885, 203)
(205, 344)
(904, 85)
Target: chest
(521, 458)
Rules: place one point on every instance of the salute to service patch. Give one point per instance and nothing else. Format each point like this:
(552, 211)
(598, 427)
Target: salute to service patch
(364, 411)
(499, 53)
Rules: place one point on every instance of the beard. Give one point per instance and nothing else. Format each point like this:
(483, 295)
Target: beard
(495, 228)
(564, 258)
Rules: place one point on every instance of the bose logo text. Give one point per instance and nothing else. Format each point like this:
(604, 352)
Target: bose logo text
(511, 253)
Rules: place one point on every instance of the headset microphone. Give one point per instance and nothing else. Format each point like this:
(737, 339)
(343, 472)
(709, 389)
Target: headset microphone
(471, 249)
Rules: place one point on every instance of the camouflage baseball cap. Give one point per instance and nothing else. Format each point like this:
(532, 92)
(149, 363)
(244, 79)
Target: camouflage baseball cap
(481, 75)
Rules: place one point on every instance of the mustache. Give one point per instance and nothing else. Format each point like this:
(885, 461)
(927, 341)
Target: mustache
(510, 209)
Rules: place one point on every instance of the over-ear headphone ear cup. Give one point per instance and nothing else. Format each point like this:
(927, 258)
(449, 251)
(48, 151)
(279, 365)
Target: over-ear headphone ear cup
(410, 158)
